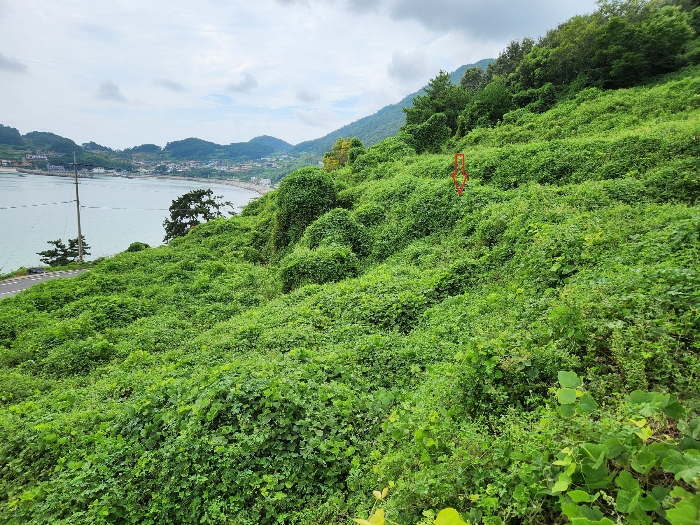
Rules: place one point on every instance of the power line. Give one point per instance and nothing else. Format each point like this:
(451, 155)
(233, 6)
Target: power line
(30, 231)
(33, 205)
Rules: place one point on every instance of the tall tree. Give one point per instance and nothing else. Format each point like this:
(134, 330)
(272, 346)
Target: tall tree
(61, 255)
(191, 209)
(338, 156)
(472, 80)
(441, 96)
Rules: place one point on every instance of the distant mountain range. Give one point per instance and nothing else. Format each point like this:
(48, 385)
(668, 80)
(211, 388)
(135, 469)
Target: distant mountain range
(382, 124)
(371, 129)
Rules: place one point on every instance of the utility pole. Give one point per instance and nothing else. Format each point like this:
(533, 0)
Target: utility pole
(77, 202)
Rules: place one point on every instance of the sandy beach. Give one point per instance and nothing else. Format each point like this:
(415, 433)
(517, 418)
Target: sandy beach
(262, 190)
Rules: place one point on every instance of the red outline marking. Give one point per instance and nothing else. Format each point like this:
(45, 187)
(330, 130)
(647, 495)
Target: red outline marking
(459, 189)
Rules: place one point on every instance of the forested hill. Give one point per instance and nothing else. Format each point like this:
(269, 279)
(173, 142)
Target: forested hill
(365, 341)
(376, 127)
(190, 148)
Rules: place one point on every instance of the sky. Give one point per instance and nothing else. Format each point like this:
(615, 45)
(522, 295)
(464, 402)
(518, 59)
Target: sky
(128, 72)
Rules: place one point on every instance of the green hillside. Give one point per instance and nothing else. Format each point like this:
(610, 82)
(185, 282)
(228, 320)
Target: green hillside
(526, 353)
(376, 127)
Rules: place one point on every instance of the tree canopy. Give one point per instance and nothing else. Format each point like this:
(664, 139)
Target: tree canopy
(62, 255)
(623, 43)
(191, 209)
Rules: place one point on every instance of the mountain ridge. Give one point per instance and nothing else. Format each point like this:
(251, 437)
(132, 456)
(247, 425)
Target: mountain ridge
(370, 130)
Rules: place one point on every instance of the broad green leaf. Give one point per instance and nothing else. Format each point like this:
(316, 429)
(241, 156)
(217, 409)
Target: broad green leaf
(592, 514)
(519, 491)
(626, 481)
(681, 493)
(560, 486)
(587, 404)
(566, 396)
(640, 398)
(580, 496)
(674, 462)
(643, 461)
(592, 452)
(648, 504)
(571, 510)
(614, 447)
(660, 493)
(586, 521)
(593, 474)
(684, 466)
(627, 501)
(684, 513)
(569, 379)
(644, 433)
(567, 411)
(674, 409)
(375, 519)
(449, 517)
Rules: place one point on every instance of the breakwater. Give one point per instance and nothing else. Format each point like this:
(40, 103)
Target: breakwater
(55, 173)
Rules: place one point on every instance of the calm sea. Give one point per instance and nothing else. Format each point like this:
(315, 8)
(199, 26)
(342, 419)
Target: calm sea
(34, 209)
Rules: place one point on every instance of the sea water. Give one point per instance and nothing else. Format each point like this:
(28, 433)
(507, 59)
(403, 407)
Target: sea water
(115, 212)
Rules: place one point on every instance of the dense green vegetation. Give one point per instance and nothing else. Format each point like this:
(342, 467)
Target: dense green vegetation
(622, 43)
(10, 136)
(526, 353)
(198, 149)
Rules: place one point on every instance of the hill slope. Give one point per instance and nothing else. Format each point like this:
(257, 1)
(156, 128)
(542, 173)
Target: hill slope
(278, 366)
(378, 126)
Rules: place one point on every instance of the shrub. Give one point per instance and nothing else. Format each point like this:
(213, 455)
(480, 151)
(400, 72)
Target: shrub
(339, 227)
(323, 265)
(137, 247)
(428, 136)
(303, 196)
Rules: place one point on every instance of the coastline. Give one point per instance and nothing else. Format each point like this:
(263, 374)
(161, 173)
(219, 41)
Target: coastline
(261, 190)
(257, 188)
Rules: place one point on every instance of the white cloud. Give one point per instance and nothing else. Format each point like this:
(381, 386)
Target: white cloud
(492, 20)
(12, 65)
(245, 84)
(337, 56)
(409, 66)
(108, 90)
(306, 95)
(316, 118)
(171, 85)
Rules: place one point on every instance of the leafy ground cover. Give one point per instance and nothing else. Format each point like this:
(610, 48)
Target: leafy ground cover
(524, 353)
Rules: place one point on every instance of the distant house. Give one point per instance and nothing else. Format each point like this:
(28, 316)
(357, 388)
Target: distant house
(6, 162)
(52, 167)
(37, 157)
(98, 170)
(264, 182)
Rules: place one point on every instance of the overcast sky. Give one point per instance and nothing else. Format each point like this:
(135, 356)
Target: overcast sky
(127, 72)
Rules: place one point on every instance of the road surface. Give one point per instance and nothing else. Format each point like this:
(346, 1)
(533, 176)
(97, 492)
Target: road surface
(14, 285)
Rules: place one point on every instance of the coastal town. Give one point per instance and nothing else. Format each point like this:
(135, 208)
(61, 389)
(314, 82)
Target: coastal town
(55, 163)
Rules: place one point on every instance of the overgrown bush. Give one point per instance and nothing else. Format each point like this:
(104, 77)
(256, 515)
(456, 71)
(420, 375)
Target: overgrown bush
(339, 227)
(324, 265)
(303, 196)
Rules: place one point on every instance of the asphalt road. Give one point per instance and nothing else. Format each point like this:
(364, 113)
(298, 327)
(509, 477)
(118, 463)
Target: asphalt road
(14, 285)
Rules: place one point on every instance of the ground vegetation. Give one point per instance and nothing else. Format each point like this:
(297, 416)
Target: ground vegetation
(526, 353)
